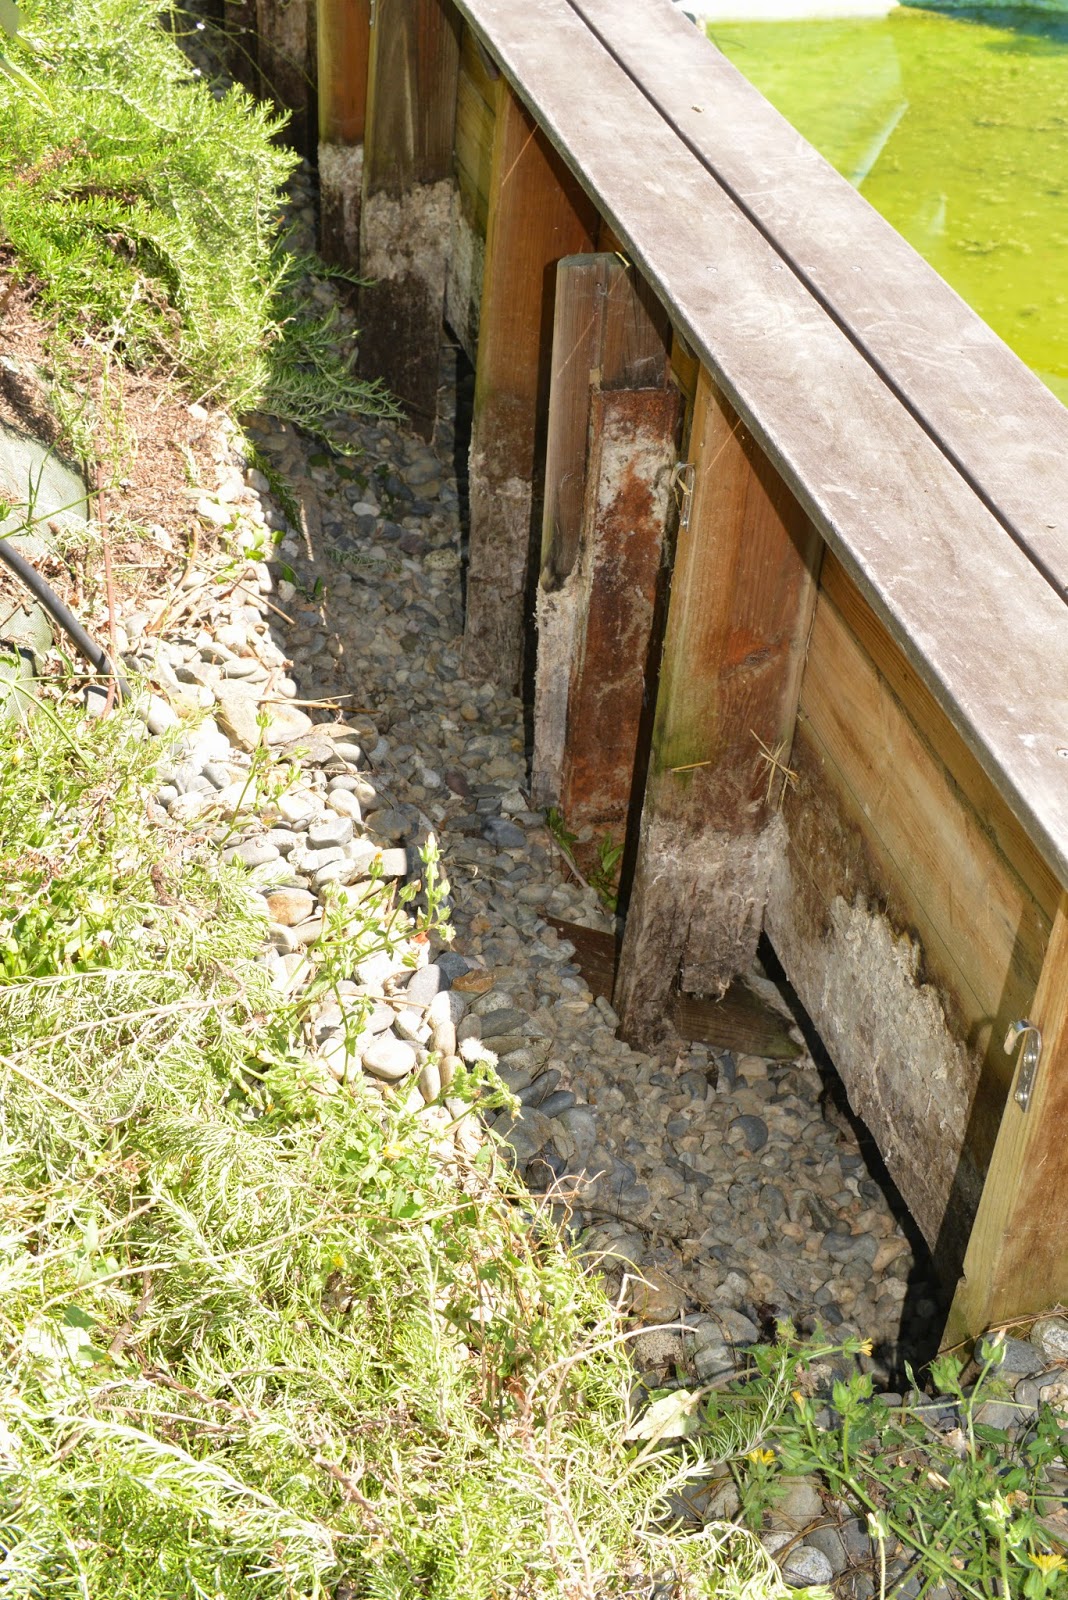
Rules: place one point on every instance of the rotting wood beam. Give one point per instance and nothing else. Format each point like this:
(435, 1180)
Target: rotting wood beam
(1016, 1263)
(343, 48)
(538, 213)
(284, 37)
(611, 447)
(741, 602)
(407, 197)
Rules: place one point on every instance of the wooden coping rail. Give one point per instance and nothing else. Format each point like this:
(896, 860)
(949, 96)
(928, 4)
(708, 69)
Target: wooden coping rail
(790, 520)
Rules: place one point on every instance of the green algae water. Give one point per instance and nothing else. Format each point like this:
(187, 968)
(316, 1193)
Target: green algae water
(954, 125)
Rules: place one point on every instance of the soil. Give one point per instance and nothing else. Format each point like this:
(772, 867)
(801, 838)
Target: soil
(153, 466)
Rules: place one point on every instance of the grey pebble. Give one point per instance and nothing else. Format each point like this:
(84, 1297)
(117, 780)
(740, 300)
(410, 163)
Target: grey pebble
(332, 830)
(559, 1100)
(389, 1058)
(426, 983)
(754, 1131)
(505, 835)
(253, 852)
(806, 1565)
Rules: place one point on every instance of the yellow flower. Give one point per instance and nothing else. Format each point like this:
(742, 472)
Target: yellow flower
(763, 1458)
(393, 1152)
(866, 1347)
(1047, 1562)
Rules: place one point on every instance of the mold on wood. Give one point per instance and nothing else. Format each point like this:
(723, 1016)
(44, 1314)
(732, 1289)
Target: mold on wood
(464, 275)
(695, 900)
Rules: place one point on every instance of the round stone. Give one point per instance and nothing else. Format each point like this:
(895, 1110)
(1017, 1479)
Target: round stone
(288, 907)
(389, 1058)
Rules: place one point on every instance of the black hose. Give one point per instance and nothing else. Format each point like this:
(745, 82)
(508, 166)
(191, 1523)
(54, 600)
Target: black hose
(94, 653)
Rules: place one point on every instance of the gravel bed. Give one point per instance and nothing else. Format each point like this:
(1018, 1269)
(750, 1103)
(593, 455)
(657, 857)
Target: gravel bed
(704, 1184)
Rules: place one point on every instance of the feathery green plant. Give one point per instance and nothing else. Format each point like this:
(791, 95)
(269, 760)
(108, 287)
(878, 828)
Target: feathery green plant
(255, 1340)
(146, 209)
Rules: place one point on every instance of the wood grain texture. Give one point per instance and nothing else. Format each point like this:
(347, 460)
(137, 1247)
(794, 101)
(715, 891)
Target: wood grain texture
(407, 198)
(974, 618)
(908, 933)
(343, 49)
(284, 57)
(242, 48)
(741, 601)
(615, 587)
(609, 453)
(475, 113)
(538, 214)
(742, 1020)
(1016, 1263)
(990, 415)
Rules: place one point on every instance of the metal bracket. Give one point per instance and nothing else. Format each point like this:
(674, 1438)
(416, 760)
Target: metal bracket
(1030, 1056)
(682, 480)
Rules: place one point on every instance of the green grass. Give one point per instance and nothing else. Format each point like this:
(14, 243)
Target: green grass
(148, 213)
(255, 1340)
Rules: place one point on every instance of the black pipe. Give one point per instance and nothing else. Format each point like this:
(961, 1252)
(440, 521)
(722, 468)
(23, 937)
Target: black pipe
(94, 653)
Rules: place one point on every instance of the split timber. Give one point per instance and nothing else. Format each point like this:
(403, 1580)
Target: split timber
(792, 524)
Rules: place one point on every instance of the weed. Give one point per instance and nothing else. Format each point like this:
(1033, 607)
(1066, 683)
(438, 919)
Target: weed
(949, 1497)
(255, 1340)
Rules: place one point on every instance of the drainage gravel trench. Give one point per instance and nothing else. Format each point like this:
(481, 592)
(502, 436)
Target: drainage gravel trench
(714, 1189)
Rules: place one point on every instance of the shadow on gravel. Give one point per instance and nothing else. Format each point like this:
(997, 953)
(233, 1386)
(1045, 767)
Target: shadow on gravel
(926, 1302)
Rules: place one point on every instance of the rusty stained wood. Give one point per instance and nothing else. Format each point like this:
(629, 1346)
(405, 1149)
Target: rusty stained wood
(343, 48)
(742, 593)
(1016, 1263)
(538, 214)
(407, 198)
(609, 454)
(982, 629)
(990, 415)
(901, 922)
(284, 54)
(612, 593)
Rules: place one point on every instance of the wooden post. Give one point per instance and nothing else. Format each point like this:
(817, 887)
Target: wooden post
(741, 603)
(1016, 1262)
(609, 454)
(407, 196)
(242, 50)
(284, 58)
(343, 48)
(538, 213)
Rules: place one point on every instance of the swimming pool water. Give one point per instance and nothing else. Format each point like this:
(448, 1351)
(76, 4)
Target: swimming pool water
(954, 125)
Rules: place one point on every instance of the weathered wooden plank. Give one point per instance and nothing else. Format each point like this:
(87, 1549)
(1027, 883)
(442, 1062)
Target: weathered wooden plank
(909, 937)
(607, 463)
(1016, 1263)
(538, 214)
(931, 724)
(475, 112)
(938, 844)
(475, 115)
(407, 198)
(613, 590)
(283, 60)
(974, 617)
(741, 602)
(989, 414)
(343, 51)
